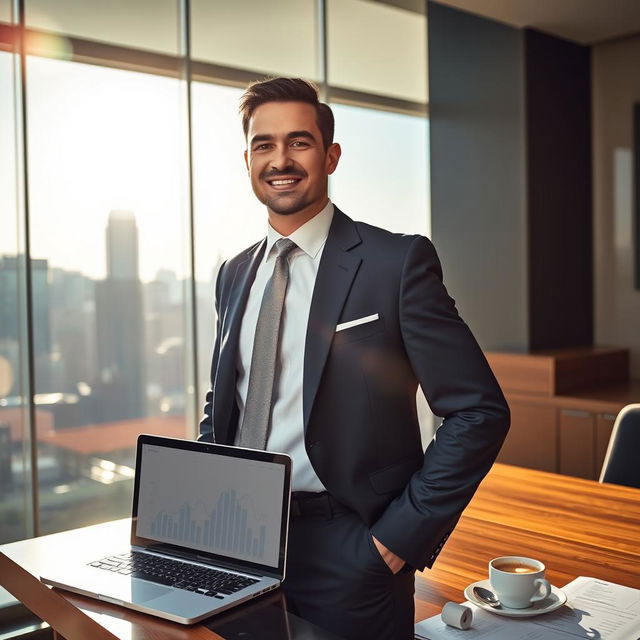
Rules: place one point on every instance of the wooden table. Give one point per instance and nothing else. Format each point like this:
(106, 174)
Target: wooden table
(576, 527)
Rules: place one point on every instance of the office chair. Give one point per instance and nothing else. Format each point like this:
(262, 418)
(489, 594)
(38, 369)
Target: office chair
(622, 462)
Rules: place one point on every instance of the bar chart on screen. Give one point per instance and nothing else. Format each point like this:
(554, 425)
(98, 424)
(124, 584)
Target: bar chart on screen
(227, 528)
(227, 508)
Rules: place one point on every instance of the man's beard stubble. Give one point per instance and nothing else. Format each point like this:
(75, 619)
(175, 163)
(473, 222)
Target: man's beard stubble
(277, 203)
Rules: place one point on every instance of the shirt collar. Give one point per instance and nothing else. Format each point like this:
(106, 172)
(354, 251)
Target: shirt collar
(310, 237)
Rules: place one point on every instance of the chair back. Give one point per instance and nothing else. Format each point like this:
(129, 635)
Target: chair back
(622, 461)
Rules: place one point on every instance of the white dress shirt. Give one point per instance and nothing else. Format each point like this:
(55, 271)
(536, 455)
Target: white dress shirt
(287, 429)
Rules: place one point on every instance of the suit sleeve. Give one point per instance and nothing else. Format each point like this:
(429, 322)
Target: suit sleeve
(459, 387)
(207, 433)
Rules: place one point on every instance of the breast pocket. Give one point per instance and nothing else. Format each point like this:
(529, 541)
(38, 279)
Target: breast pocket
(360, 331)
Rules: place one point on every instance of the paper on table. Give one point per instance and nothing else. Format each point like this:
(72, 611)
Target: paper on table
(487, 626)
(595, 610)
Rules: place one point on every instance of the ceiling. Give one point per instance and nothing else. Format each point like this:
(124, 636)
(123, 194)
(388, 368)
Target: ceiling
(583, 21)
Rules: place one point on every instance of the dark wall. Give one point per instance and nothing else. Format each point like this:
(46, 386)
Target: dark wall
(558, 98)
(511, 179)
(478, 208)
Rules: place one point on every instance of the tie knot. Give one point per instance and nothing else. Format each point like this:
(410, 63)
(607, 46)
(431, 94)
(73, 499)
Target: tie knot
(284, 247)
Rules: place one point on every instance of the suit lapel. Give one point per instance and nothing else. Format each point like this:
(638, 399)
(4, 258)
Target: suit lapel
(226, 374)
(336, 272)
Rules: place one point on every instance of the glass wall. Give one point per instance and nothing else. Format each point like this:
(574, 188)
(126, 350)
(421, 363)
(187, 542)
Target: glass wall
(109, 251)
(15, 465)
(278, 37)
(377, 48)
(118, 179)
(150, 25)
(228, 218)
(383, 164)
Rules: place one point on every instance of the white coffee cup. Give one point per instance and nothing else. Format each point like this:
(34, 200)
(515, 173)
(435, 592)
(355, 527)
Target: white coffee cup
(518, 581)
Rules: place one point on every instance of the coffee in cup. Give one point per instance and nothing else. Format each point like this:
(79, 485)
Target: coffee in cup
(515, 567)
(517, 581)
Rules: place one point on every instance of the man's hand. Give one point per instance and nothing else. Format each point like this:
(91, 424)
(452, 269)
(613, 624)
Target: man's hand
(394, 562)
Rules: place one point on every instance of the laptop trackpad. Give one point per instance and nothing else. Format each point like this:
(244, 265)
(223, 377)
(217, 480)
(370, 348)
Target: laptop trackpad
(144, 591)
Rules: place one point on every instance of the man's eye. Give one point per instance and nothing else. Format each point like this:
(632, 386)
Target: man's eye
(299, 143)
(261, 147)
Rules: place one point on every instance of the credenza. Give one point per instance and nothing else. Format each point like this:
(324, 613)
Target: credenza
(563, 406)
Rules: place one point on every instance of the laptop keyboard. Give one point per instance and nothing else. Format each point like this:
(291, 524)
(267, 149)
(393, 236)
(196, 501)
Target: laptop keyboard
(173, 573)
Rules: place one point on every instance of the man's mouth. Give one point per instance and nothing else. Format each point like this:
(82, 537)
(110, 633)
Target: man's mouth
(282, 184)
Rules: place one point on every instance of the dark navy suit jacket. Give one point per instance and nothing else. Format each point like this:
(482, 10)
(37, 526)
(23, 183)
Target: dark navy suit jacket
(359, 388)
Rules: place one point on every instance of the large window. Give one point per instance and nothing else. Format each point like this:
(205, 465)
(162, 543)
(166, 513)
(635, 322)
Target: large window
(118, 206)
(383, 174)
(15, 459)
(108, 265)
(377, 48)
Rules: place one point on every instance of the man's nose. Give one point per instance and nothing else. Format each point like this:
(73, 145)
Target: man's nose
(281, 160)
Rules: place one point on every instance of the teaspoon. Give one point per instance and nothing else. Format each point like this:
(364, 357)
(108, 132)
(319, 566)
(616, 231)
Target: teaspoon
(486, 596)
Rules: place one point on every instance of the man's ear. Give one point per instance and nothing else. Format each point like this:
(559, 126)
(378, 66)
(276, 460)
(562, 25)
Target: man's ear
(246, 159)
(333, 155)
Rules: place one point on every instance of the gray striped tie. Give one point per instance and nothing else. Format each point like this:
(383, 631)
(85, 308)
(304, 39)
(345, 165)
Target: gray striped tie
(257, 410)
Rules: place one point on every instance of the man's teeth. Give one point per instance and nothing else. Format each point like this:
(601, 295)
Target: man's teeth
(277, 183)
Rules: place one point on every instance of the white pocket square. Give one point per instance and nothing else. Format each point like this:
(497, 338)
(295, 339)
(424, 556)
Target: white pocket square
(355, 323)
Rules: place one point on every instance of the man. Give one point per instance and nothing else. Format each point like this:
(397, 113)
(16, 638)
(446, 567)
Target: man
(362, 319)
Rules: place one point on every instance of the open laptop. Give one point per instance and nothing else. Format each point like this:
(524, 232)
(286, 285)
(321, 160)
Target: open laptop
(208, 531)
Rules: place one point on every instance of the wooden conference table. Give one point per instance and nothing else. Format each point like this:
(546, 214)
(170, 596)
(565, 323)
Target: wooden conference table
(576, 527)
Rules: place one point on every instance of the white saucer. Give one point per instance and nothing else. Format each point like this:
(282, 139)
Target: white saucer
(555, 600)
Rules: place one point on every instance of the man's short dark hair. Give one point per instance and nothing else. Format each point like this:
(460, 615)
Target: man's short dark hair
(287, 90)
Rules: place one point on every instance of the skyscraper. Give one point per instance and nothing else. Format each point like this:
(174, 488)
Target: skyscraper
(10, 333)
(121, 385)
(122, 246)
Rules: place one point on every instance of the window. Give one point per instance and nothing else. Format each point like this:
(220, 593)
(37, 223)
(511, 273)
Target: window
(151, 25)
(15, 476)
(228, 218)
(109, 255)
(251, 35)
(377, 48)
(110, 211)
(383, 175)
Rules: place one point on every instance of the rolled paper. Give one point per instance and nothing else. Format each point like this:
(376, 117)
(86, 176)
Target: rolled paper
(456, 615)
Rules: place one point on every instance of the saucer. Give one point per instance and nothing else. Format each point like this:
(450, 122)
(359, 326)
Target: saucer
(554, 601)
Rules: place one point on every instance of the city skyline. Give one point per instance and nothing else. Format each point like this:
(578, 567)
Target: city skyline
(95, 339)
(104, 139)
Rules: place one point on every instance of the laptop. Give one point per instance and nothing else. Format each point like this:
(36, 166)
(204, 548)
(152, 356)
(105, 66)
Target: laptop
(208, 532)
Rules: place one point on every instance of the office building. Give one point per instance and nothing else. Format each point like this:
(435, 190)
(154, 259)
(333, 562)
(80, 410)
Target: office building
(120, 383)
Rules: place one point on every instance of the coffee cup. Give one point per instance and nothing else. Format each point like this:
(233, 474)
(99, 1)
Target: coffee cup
(517, 581)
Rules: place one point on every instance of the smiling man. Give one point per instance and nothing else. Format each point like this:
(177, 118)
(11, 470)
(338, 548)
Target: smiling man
(289, 168)
(326, 328)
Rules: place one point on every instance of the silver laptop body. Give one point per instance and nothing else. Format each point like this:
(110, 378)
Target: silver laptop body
(203, 514)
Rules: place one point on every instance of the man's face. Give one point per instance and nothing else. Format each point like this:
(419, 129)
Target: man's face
(286, 160)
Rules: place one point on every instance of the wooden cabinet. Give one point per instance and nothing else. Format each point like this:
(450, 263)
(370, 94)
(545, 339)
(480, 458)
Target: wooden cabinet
(577, 443)
(556, 425)
(561, 434)
(532, 440)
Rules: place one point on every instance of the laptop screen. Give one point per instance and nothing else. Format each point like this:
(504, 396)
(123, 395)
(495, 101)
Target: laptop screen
(223, 503)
